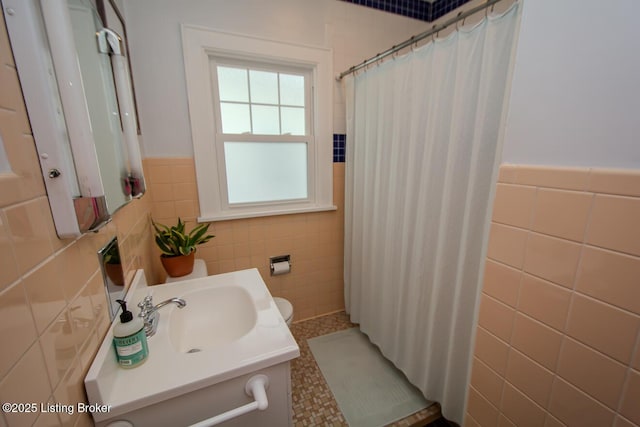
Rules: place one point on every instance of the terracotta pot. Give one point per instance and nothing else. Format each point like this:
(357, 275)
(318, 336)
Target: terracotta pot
(114, 273)
(177, 266)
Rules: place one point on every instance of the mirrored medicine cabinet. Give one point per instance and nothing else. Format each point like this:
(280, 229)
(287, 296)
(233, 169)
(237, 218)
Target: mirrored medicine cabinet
(78, 92)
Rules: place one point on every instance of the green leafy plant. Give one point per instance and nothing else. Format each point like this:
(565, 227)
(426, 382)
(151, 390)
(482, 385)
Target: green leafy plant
(175, 241)
(112, 256)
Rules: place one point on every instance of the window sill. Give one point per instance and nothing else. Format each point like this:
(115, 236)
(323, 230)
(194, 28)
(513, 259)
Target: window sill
(257, 213)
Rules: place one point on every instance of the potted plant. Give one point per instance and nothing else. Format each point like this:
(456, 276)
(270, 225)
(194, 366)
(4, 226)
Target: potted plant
(178, 247)
(113, 266)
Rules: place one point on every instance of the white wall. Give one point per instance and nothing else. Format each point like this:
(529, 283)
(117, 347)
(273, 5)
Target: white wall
(153, 26)
(575, 98)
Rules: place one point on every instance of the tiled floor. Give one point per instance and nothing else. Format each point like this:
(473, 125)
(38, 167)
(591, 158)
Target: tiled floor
(313, 403)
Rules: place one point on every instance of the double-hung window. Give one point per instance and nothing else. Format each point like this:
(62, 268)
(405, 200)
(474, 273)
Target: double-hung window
(264, 137)
(260, 125)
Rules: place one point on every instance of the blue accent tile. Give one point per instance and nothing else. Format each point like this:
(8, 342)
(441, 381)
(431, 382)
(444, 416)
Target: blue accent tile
(339, 147)
(416, 9)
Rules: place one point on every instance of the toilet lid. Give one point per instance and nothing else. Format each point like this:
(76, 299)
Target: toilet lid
(285, 307)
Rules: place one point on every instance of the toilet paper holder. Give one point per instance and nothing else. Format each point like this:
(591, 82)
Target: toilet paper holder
(280, 260)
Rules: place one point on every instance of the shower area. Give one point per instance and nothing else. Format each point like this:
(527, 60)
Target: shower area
(423, 146)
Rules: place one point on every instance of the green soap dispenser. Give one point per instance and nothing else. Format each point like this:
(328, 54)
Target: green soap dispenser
(129, 339)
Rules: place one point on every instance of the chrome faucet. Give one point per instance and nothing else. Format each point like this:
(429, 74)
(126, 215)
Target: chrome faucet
(149, 312)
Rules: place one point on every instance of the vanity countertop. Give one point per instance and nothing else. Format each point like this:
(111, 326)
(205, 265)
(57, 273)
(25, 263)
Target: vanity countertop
(168, 372)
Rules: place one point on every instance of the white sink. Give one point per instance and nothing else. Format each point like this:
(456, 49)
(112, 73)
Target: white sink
(230, 327)
(213, 317)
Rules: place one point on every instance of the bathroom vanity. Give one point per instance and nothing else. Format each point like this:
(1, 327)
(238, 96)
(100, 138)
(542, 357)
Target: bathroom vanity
(206, 361)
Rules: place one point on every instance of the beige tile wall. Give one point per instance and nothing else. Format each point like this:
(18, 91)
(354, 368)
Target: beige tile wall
(314, 240)
(558, 337)
(52, 303)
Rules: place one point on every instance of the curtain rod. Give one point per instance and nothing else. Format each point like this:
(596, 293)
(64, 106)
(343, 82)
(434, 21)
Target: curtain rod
(416, 38)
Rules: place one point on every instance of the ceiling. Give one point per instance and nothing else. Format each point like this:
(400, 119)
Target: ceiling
(424, 10)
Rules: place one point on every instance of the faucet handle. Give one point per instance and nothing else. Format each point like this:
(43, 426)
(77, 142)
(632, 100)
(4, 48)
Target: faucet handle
(146, 303)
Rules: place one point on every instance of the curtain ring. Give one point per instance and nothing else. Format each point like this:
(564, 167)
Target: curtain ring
(458, 20)
(433, 31)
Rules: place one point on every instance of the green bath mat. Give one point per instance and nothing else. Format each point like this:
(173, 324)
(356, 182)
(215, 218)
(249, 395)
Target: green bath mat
(370, 391)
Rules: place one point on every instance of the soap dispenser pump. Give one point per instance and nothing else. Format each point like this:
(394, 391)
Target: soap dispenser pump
(129, 339)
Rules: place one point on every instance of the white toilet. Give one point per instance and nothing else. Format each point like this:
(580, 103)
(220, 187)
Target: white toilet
(200, 270)
(286, 309)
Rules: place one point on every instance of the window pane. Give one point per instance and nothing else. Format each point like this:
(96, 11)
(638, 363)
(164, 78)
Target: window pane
(293, 120)
(232, 83)
(266, 171)
(265, 120)
(235, 118)
(264, 87)
(291, 90)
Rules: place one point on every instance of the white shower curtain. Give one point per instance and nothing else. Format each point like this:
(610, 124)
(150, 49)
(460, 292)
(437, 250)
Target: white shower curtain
(422, 141)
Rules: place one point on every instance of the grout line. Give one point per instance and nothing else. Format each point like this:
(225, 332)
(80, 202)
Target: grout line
(522, 271)
(595, 350)
(594, 299)
(7, 109)
(617, 251)
(550, 415)
(625, 386)
(585, 235)
(474, 420)
(589, 179)
(488, 367)
(26, 201)
(538, 364)
(39, 265)
(516, 168)
(487, 400)
(551, 236)
(620, 416)
(612, 251)
(530, 317)
(591, 397)
(564, 331)
(541, 233)
(544, 409)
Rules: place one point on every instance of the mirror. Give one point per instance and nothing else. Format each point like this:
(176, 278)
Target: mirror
(112, 275)
(111, 16)
(100, 94)
(77, 89)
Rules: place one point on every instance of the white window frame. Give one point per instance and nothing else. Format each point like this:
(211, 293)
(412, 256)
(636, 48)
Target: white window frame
(200, 45)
